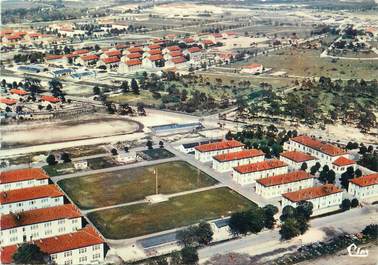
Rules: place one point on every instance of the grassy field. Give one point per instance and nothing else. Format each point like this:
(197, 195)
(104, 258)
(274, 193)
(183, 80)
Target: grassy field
(145, 97)
(101, 162)
(157, 153)
(141, 219)
(59, 169)
(99, 190)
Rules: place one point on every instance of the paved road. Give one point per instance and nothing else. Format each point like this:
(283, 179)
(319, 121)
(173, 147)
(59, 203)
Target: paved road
(351, 221)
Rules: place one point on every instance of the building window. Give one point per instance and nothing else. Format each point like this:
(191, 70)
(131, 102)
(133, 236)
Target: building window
(82, 250)
(68, 253)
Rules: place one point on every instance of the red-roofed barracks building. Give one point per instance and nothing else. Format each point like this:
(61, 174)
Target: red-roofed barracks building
(84, 246)
(295, 159)
(205, 152)
(248, 174)
(341, 164)
(325, 198)
(274, 186)
(39, 223)
(225, 162)
(365, 187)
(22, 178)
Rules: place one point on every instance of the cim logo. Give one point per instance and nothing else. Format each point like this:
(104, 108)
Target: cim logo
(355, 251)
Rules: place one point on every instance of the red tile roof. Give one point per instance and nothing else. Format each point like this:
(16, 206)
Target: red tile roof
(188, 40)
(297, 156)
(248, 153)
(113, 53)
(226, 144)
(325, 148)
(66, 211)
(22, 175)
(312, 193)
(8, 101)
(177, 60)
(50, 99)
(367, 180)
(343, 161)
(158, 41)
(32, 193)
(176, 54)
(208, 42)
(284, 178)
(134, 55)
(18, 91)
(135, 49)
(35, 35)
(153, 46)
(154, 52)
(89, 57)
(121, 46)
(84, 237)
(54, 56)
(252, 66)
(173, 48)
(217, 35)
(194, 49)
(78, 52)
(133, 62)
(260, 166)
(156, 57)
(111, 60)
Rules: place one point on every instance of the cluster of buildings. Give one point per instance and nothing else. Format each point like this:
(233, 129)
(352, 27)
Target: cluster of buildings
(35, 211)
(286, 178)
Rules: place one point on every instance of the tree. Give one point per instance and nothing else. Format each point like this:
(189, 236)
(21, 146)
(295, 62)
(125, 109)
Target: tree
(204, 233)
(304, 210)
(289, 229)
(269, 212)
(371, 231)
(49, 107)
(51, 160)
(313, 170)
(354, 203)
(287, 212)
(250, 221)
(345, 205)
(29, 254)
(358, 173)
(96, 90)
(65, 157)
(331, 176)
(125, 87)
(161, 144)
(134, 86)
(114, 152)
(189, 255)
(304, 166)
(149, 144)
(238, 223)
(126, 149)
(229, 135)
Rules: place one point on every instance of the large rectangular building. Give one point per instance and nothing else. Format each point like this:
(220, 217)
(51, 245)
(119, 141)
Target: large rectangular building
(295, 159)
(326, 153)
(40, 223)
(205, 152)
(248, 174)
(365, 187)
(225, 162)
(84, 246)
(325, 198)
(276, 185)
(22, 178)
(27, 199)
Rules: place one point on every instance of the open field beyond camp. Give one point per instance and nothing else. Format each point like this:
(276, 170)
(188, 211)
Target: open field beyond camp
(141, 219)
(105, 189)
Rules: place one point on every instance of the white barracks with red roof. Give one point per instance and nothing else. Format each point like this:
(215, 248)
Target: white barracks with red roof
(275, 186)
(225, 162)
(364, 188)
(22, 178)
(205, 152)
(295, 159)
(325, 198)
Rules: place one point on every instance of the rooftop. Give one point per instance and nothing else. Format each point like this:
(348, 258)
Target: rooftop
(325, 148)
(284, 178)
(18, 91)
(21, 175)
(365, 181)
(31, 193)
(260, 166)
(226, 144)
(50, 99)
(247, 153)
(297, 156)
(133, 62)
(343, 161)
(89, 57)
(312, 193)
(111, 60)
(66, 211)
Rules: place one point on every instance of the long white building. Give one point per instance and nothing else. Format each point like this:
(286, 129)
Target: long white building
(325, 198)
(225, 162)
(326, 153)
(295, 159)
(341, 164)
(40, 223)
(22, 178)
(205, 152)
(275, 186)
(27, 199)
(364, 188)
(248, 174)
(84, 246)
